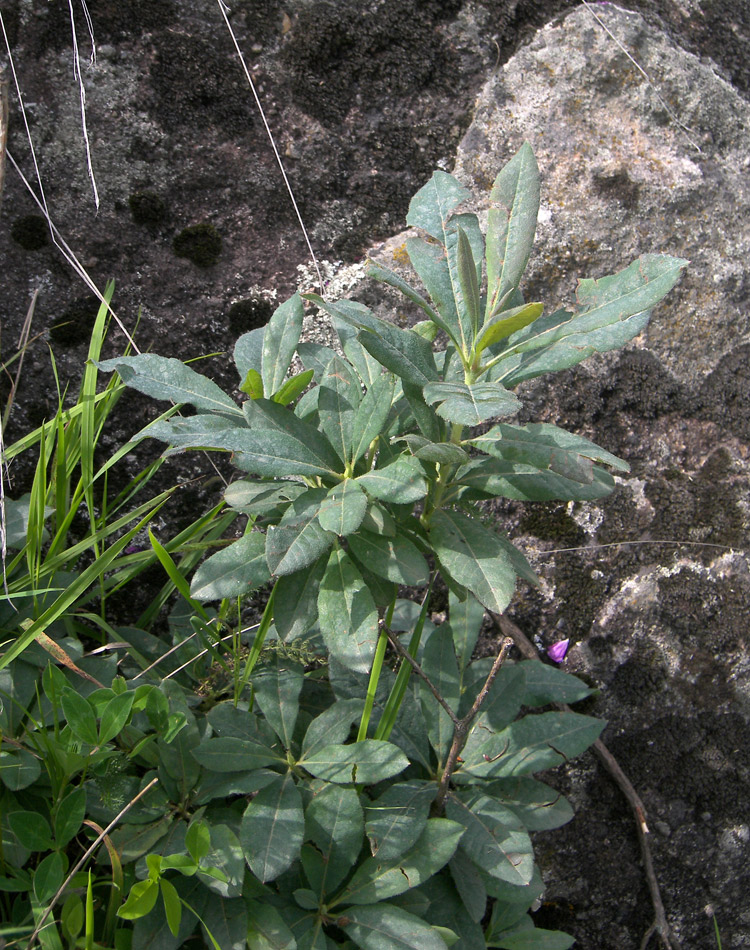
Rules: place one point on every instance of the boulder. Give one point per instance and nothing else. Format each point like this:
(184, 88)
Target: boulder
(643, 148)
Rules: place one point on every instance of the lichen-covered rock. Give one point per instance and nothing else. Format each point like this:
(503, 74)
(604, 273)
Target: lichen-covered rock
(659, 614)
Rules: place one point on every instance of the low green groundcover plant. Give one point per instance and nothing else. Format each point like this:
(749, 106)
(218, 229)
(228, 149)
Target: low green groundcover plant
(342, 794)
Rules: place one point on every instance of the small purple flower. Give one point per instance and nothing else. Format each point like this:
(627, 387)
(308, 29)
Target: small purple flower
(557, 651)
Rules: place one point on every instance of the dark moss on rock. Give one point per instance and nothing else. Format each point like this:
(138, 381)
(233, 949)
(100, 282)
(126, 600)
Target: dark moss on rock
(147, 208)
(640, 384)
(338, 49)
(250, 313)
(30, 232)
(199, 243)
(551, 522)
(195, 84)
(725, 394)
(640, 676)
(75, 325)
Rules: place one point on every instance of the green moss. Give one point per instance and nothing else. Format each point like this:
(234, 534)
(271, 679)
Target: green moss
(199, 243)
(147, 208)
(30, 231)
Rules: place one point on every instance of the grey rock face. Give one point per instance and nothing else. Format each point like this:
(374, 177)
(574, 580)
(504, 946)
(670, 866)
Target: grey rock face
(662, 627)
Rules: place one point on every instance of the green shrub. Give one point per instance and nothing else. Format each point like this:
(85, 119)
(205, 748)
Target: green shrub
(328, 792)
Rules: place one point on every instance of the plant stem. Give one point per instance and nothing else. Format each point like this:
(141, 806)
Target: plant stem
(462, 727)
(257, 646)
(392, 706)
(377, 666)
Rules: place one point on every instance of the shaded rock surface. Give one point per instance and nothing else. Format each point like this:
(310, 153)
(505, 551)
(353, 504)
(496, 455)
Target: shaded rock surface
(366, 99)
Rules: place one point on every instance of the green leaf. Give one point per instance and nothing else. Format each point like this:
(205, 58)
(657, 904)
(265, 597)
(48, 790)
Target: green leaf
(467, 280)
(507, 322)
(431, 207)
(372, 414)
(332, 726)
(32, 830)
(198, 840)
(348, 317)
(379, 521)
(228, 754)
(365, 762)
(141, 900)
(48, 877)
(164, 378)
(397, 559)
(293, 387)
(80, 716)
(439, 664)
(308, 899)
(233, 571)
(259, 497)
(546, 684)
(490, 477)
(222, 870)
(277, 688)
(273, 828)
(295, 609)
(465, 622)
(534, 743)
(387, 276)
(395, 820)
(69, 817)
(339, 397)
(343, 508)
(403, 352)
(227, 921)
(511, 224)
(469, 884)
(611, 311)
(495, 839)
(253, 384)
(475, 557)
(381, 926)
(298, 540)
(401, 482)
(335, 824)
(546, 446)
(471, 404)
(266, 928)
(377, 879)
(443, 453)
(472, 256)
(430, 261)
(172, 905)
(503, 702)
(114, 716)
(347, 614)
(538, 806)
(317, 357)
(429, 425)
(533, 938)
(248, 352)
(280, 340)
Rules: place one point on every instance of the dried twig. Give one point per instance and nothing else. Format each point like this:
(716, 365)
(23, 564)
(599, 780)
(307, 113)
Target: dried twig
(660, 926)
(461, 727)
